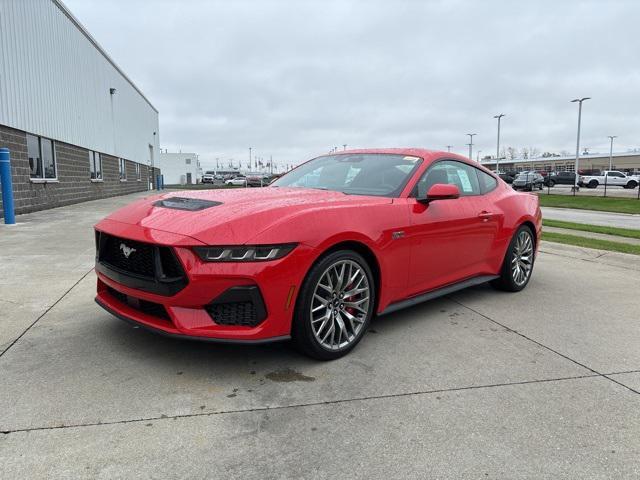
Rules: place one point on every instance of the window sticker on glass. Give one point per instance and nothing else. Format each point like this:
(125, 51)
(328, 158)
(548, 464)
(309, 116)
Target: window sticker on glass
(464, 179)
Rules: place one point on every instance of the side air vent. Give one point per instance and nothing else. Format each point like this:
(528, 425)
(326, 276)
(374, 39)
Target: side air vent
(238, 306)
(189, 204)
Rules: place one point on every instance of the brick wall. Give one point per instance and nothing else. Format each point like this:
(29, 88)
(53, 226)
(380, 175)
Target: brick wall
(74, 184)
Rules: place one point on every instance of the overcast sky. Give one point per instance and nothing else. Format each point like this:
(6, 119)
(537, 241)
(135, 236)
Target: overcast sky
(295, 78)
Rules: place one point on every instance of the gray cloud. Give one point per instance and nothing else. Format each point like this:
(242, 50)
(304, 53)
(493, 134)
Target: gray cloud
(294, 78)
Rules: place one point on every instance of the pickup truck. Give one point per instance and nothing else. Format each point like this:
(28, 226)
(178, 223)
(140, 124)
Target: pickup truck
(612, 177)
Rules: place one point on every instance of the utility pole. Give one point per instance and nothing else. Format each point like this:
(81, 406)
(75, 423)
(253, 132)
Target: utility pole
(579, 100)
(498, 143)
(471, 145)
(611, 137)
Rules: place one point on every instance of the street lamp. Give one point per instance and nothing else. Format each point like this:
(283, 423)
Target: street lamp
(579, 100)
(471, 145)
(449, 148)
(611, 137)
(498, 143)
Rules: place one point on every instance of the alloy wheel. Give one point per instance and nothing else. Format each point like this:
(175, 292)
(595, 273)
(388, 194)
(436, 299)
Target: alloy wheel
(340, 305)
(522, 259)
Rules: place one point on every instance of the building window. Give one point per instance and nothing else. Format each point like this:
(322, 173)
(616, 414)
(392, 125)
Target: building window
(95, 165)
(42, 157)
(138, 177)
(123, 170)
(188, 161)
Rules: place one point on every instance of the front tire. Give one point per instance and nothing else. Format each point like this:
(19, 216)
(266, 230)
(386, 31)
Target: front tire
(518, 262)
(336, 303)
(592, 184)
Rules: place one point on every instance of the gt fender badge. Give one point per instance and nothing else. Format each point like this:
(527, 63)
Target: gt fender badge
(397, 235)
(126, 251)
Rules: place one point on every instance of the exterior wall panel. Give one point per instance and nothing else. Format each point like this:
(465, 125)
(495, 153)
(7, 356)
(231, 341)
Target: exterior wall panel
(55, 82)
(74, 184)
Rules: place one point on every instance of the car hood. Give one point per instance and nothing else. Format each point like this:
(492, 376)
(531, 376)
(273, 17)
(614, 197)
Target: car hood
(233, 216)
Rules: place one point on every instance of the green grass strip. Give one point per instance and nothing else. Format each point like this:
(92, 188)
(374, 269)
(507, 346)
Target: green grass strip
(591, 243)
(584, 202)
(619, 232)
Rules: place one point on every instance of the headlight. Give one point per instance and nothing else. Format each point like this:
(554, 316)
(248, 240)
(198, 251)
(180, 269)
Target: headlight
(244, 253)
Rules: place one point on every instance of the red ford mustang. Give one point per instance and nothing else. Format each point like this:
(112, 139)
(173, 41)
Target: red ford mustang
(315, 255)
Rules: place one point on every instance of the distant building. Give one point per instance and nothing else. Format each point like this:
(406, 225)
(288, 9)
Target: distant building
(624, 161)
(77, 127)
(179, 168)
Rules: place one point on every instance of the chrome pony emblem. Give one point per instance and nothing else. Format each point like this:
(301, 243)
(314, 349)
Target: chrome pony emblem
(126, 251)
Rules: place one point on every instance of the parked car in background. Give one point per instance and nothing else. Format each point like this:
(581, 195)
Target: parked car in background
(611, 177)
(528, 181)
(240, 180)
(208, 177)
(560, 178)
(508, 176)
(257, 180)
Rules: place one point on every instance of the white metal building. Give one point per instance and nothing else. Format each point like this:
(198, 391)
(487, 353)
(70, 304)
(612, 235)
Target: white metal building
(62, 97)
(179, 168)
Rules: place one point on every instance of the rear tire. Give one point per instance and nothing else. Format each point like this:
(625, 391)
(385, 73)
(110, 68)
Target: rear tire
(517, 266)
(335, 306)
(551, 183)
(631, 185)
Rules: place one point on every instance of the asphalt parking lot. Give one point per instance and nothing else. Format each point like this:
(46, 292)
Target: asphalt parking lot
(481, 384)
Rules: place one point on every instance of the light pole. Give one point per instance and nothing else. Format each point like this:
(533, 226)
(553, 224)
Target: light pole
(449, 148)
(344, 146)
(499, 116)
(249, 158)
(478, 155)
(471, 145)
(579, 100)
(611, 137)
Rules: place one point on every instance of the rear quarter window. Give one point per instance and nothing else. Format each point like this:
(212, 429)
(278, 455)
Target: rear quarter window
(486, 181)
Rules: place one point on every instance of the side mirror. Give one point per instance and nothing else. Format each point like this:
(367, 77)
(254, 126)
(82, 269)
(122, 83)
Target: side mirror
(441, 191)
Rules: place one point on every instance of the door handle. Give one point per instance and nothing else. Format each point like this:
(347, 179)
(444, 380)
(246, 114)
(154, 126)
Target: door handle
(484, 215)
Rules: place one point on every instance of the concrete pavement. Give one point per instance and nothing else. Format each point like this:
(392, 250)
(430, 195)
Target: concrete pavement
(592, 217)
(482, 384)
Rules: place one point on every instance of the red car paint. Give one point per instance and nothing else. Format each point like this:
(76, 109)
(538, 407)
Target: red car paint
(441, 243)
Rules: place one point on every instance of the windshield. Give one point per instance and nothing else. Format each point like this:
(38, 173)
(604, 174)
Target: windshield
(376, 174)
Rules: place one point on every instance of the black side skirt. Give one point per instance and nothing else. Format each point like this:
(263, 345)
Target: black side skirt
(439, 292)
(188, 337)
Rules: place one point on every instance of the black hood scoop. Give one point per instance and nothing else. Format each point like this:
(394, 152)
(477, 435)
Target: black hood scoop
(188, 204)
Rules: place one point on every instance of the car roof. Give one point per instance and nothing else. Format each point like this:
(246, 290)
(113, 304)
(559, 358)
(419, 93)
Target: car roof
(428, 155)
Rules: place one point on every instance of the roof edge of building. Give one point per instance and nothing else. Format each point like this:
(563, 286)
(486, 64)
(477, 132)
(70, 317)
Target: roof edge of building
(63, 8)
(561, 158)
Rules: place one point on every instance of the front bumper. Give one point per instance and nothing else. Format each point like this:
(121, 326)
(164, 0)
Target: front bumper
(189, 313)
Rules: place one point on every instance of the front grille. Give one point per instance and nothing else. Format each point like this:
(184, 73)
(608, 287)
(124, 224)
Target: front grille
(236, 313)
(149, 308)
(140, 265)
(128, 255)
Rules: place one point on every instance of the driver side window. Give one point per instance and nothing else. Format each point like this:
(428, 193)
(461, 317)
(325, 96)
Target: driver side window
(449, 172)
